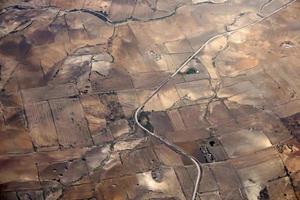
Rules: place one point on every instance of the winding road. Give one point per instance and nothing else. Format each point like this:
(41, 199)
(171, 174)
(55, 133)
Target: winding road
(167, 143)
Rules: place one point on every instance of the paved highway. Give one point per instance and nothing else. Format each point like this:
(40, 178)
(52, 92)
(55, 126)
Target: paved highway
(166, 142)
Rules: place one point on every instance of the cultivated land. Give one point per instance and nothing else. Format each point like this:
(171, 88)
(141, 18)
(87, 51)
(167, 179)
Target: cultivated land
(74, 73)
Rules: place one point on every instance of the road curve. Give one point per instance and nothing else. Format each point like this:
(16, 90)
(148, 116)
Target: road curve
(163, 83)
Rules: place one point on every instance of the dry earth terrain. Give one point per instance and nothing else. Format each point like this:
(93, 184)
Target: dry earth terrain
(73, 72)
